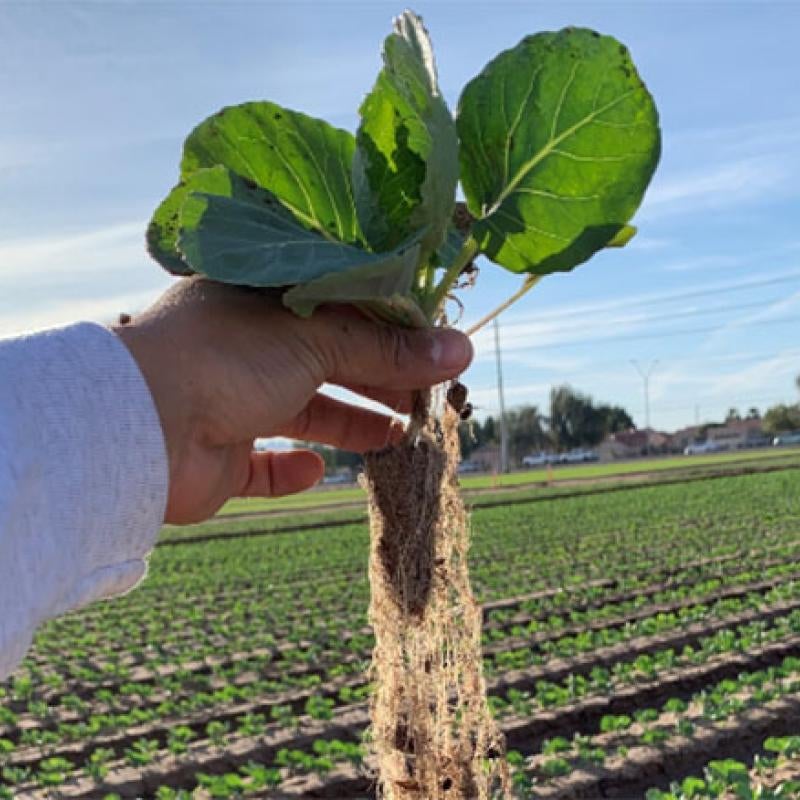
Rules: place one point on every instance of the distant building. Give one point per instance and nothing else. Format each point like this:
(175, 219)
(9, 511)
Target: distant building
(738, 433)
(632, 443)
(730, 435)
(682, 438)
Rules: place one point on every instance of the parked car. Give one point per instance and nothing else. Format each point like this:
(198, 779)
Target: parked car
(337, 478)
(699, 448)
(469, 466)
(784, 439)
(537, 459)
(579, 456)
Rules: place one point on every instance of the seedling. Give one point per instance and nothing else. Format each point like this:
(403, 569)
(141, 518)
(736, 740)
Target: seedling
(553, 145)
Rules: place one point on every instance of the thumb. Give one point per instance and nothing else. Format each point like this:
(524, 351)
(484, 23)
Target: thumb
(361, 352)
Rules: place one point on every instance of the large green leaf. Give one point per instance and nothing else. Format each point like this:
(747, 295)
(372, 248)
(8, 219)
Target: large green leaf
(249, 238)
(304, 162)
(559, 138)
(382, 289)
(162, 232)
(406, 166)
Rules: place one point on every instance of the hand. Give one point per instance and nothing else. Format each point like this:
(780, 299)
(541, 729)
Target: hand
(226, 365)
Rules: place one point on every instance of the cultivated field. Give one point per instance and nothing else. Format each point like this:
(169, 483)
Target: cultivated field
(638, 634)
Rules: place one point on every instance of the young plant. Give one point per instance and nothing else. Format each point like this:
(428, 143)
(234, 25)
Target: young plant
(553, 145)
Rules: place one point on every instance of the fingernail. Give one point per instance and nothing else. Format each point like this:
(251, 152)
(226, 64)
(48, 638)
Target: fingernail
(451, 350)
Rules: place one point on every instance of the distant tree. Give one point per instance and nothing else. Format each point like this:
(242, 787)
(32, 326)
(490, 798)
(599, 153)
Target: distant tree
(615, 419)
(489, 432)
(753, 413)
(733, 415)
(526, 432)
(781, 418)
(574, 420)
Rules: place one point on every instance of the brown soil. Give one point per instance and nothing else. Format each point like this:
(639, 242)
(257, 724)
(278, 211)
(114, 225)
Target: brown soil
(431, 729)
(647, 767)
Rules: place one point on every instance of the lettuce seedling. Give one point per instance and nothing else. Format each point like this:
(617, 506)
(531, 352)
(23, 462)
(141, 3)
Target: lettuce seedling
(553, 145)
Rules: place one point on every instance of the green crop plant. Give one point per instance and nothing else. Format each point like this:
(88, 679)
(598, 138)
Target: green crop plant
(260, 776)
(225, 786)
(142, 752)
(556, 745)
(178, 739)
(217, 732)
(96, 766)
(556, 768)
(168, 793)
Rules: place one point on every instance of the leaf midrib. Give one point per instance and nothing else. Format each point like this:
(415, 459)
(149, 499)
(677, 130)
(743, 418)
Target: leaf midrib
(547, 150)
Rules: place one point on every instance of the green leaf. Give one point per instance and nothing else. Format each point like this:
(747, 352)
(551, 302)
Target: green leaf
(382, 289)
(162, 232)
(249, 238)
(304, 162)
(405, 170)
(559, 138)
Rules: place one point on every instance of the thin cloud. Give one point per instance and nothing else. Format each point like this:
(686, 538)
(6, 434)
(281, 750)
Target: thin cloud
(722, 185)
(783, 365)
(741, 164)
(103, 310)
(771, 311)
(693, 264)
(85, 251)
(647, 244)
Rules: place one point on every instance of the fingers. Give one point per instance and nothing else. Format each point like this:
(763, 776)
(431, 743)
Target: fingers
(342, 425)
(277, 474)
(364, 353)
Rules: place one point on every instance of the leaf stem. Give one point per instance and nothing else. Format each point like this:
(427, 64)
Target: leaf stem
(529, 283)
(467, 253)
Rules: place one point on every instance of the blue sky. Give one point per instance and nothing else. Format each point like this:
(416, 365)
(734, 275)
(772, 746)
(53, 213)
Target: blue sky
(95, 99)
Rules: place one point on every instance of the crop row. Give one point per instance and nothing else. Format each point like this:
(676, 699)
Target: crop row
(598, 684)
(264, 674)
(309, 751)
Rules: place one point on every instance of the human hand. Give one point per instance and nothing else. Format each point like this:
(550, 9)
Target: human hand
(226, 365)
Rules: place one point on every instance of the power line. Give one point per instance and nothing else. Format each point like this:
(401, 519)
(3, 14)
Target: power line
(657, 335)
(695, 312)
(734, 359)
(668, 298)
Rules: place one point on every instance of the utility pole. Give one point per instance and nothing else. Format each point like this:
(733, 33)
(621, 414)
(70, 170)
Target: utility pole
(645, 376)
(501, 399)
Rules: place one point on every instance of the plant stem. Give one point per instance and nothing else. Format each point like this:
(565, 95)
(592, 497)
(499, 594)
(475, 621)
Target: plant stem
(529, 283)
(468, 252)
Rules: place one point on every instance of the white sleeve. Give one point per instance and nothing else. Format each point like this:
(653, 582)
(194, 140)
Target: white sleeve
(83, 477)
